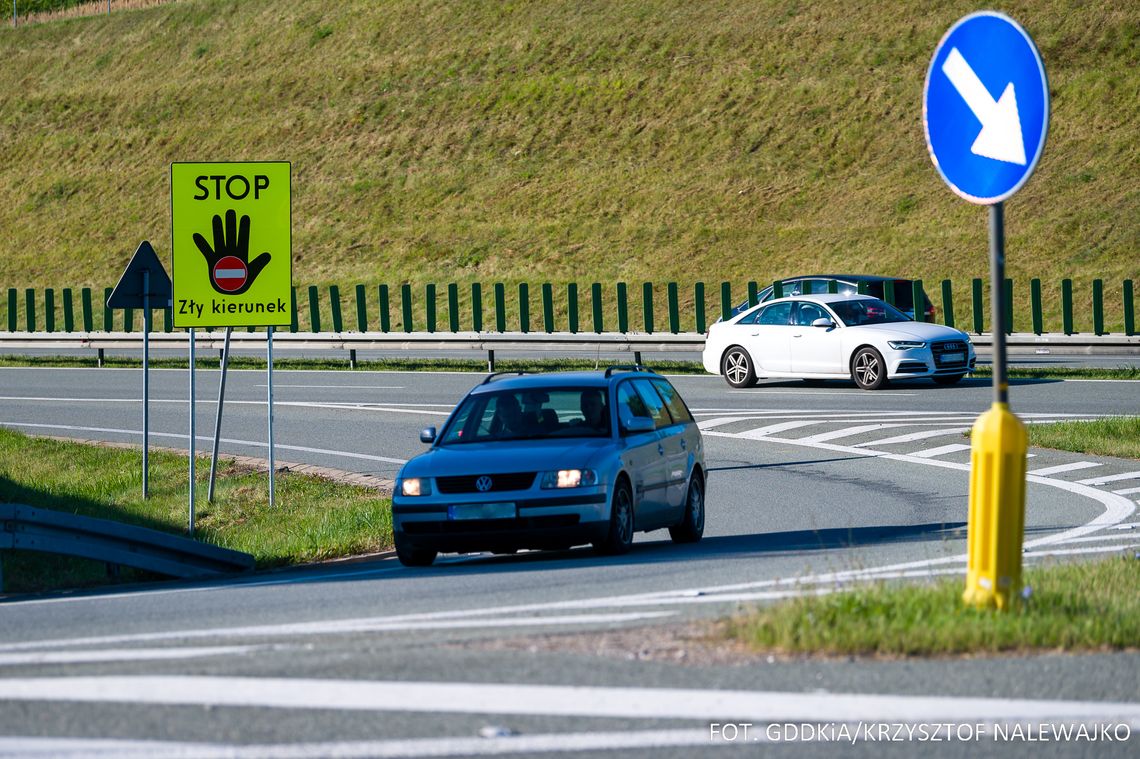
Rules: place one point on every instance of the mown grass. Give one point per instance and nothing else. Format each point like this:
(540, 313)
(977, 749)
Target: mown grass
(652, 140)
(1072, 607)
(1117, 436)
(313, 518)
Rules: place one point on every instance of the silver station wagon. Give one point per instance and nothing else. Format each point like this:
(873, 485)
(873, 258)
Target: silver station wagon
(550, 461)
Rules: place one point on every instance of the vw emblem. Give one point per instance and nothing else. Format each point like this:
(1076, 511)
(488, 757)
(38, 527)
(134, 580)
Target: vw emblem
(483, 484)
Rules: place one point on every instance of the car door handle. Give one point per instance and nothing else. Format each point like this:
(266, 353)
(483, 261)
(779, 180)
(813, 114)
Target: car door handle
(799, 335)
(755, 334)
(661, 449)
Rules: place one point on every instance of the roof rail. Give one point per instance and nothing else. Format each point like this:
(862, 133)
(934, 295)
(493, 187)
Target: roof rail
(628, 368)
(500, 374)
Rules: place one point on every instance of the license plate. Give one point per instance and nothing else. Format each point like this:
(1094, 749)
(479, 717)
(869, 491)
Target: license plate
(482, 511)
(953, 358)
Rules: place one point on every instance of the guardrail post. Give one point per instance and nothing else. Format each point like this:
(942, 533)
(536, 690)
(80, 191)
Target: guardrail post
(476, 307)
(13, 300)
(108, 315)
(382, 301)
(725, 301)
(832, 287)
(334, 307)
(753, 289)
(596, 306)
(361, 309)
(85, 303)
(406, 306)
(647, 306)
(294, 325)
(622, 310)
(128, 320)
(429, 306)
(1008, 306)
(500, 307)
(548, 307)
(1035, 305)
(1067, 306)
(777, 289)
(572, 307)
(524, 307)
(918, 300)
(889, 291)
(314, 309)
(68, 311)
(168, 319)
(30, 309)
(1098, 306)
(352, 358)
(699, 307)
(1129, 309)
(49, 310)
(948, 302)
(976, 304)
(674, 309)
(453, 306)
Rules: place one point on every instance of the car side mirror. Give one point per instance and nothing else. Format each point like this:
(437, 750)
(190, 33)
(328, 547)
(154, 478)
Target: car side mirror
(427, 435)
(823, 322)
(638, 424)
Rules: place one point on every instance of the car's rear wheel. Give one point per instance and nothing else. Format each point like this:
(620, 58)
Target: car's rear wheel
(619, 537)
(947, 379)
(692, 524)
(868, 369)
(737, 367)
(413, 556)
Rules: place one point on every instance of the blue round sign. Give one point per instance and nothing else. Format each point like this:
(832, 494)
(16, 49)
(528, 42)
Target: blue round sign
(985, 107)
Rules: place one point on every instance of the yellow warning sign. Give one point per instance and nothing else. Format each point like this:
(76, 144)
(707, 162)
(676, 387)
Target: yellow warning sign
(232, 245)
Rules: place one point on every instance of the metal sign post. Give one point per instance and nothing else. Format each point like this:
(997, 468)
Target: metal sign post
(269, 398)
(218, 418)
(190, 529)
(146, 381)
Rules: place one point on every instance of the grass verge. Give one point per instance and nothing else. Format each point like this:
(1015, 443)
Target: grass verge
(1117, 436)
(313, 518)
(1085, 606)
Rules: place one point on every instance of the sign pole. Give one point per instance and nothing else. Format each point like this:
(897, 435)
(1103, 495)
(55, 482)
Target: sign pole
(997, 302)
(218, 419)
(269, 384)
(191, 528)
(146, 382)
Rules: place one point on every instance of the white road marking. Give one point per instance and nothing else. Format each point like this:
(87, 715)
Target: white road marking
(551, 700)
(818, 392)
(940, 451)
(125, 654)
(1127, 526)
(1072, 467)
(393, 408)
(849, 432)
(1101, 538)
(760, 432)
(914, 436)
(1078, 551)
(1127, 491)
(1110, 478)
(339, 387)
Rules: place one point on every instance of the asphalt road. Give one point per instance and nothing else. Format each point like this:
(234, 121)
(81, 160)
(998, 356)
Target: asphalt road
(810, 488)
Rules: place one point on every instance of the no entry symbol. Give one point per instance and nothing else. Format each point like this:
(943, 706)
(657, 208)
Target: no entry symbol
(230, 274)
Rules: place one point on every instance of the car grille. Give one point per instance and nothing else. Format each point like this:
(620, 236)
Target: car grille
(954, 346)
(499, 482)
(468, 526)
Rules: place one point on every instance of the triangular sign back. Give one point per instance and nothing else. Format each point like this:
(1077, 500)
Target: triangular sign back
(129, 292)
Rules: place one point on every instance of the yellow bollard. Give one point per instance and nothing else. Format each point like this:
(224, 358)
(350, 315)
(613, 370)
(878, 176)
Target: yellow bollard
(997, 509)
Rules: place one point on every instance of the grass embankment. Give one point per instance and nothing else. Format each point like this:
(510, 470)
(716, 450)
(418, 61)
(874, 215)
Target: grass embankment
(651, 140)
(1087, 606)
(1117, 436)
(313, 518)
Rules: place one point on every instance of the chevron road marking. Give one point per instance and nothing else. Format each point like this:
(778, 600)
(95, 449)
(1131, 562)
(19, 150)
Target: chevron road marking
(1074, 466)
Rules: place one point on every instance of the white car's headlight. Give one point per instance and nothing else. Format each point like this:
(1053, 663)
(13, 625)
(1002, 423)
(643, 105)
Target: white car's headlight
(569, 478)
(905, 345)
(415, 486)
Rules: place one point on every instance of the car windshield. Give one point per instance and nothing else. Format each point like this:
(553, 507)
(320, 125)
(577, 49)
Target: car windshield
(855, 313)
(530, 415)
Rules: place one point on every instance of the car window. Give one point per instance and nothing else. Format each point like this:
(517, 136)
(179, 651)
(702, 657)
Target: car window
(530, 414)
(750, 318)
(673, 402)
(653, 403)
(777, 313)
(630, 404)
(854, 313)
(806, 313)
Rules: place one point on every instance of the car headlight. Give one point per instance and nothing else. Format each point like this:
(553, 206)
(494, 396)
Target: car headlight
(569, 478)
(415, 486)
(905, 345)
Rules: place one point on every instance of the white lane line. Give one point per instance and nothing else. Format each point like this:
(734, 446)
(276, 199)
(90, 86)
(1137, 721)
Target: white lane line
(820, 392)
(229, 441)
(392, 408)
(1127, 491)
(1101, 538)
(940, 451)
(1074, 466)
(1110, 478)
(1079, 551)
(760, 432)
(913, 436)
(550, 700)
(849, 432)
(338, 387)
(1127, 526)
(124, 654)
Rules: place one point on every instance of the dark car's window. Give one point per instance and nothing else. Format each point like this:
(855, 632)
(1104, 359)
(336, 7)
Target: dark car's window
(530, 414)
(778, 313)
(855, 313)
(653, 403)
(673, 402)
(806, 313)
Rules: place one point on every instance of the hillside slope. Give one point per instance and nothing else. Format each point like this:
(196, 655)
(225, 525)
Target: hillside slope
(551, 141)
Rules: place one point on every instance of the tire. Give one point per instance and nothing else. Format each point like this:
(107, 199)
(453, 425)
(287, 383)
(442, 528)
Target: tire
(948, 379)
(413, 556)
(868, 369)
(737, 368)
(619, 536)
(692, 524)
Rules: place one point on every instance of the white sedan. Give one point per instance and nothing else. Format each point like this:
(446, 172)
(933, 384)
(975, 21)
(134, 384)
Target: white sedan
(835, 337)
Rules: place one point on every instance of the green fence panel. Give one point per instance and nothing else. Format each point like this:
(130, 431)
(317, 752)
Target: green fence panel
(68, 311)
(674, 308)
(547, 307)
(725, 301)
(1035, 305)
(85, 307)
(30, 309)
(832, 287)
(572, 308)
(699, 306)
(476, 307)
(1129, 309)
(500, 307)
(168, 319)
(622, 308)
(128, 320)
(976, 309)
(429, 307)
(108, 315)
(889, 291)
(1098, 306)
(383, 303)
(453, 307)
(524, 307)
(406, 307)
(596, 306)
(1008, 306)
(314, 309)
(49, 310)
(863, 288)
(777, 289)
(753, 290)
(294, 324)
(647, 306)
(948, 303)
(918, 300)
(361, 309)
(13, 300)
(334, 307)
(1067, 306)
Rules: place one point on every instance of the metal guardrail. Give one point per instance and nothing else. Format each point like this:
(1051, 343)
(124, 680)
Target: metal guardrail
(35, 529)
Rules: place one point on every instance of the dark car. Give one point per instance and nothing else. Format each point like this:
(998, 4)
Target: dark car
(849, 284)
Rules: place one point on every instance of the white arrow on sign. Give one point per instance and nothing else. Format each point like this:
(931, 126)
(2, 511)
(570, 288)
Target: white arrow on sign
(1000, 138)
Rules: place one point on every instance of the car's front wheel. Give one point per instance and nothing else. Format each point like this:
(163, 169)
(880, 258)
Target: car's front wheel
(413, 556)
(692, 524)
(619, 536)
(868, 369)
(948, 379)
(737, 367)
